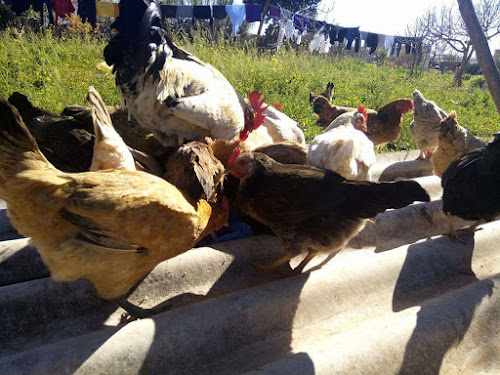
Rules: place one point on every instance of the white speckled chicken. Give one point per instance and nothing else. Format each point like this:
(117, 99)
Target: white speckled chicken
(168, 90)
(426, 124)
(344, 148)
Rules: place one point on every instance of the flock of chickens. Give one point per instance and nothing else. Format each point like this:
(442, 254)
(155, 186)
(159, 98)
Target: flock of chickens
(106, 194)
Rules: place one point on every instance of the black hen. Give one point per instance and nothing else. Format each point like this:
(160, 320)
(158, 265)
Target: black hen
(167, 90)
(313, 209)
(471, 184)
(67, 143)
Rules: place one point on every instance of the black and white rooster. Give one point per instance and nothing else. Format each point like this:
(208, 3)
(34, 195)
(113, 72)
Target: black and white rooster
(166, 89)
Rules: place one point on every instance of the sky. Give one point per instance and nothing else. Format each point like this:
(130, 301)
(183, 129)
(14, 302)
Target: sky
(381, 16)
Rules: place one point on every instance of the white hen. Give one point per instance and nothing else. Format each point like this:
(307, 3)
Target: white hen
(344, 148)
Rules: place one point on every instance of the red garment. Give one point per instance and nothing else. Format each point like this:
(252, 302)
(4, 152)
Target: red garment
(63, 7)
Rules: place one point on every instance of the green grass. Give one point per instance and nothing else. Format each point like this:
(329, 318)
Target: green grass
(56, 71)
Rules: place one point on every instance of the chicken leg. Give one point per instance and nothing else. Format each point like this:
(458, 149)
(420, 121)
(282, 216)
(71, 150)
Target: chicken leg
(273, 266)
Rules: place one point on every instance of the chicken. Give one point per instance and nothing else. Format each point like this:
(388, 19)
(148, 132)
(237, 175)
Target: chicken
(282, 128)
(454, 141)
(426, 124)
(168, 90)
(383, 125)
(311, 209)
(470, 186)
(285, 152)
(194, 170)
(130, 131)
(67, 144)
(110, 227)
(252, 136)
(344, 148)
(110, 152)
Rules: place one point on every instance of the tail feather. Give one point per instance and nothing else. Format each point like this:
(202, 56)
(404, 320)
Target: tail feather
(373, 198)
(16, 142)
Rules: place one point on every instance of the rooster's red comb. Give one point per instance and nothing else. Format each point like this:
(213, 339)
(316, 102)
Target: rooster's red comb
(278, 106)
(259, 107)
(234, 156)
(362, 110)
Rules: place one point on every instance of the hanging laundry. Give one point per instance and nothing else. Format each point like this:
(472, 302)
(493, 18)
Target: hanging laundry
(389, 44)
(289, 29)
(19, 6)
(341, 34)
(236, 15)
(274, 12)
(38, 7)
(333, 33)
(169, 11)
(325, 46)
(299, 22)
(253, 12)
(398, 40)
(202, 12)
(219, 12)
(285, 15)
(63, 8)
(381, 41)
(184, 11)
(351, 34)
(317, 40)
(371, 42)
(106, 9)
(281, 35)
(87, 11)
(362, 36)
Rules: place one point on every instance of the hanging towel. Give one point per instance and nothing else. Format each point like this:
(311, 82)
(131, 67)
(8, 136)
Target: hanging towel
(64, 8)
(371, 42)
(169, 11)
(351, 34)
(274, 12)
(87, 11)
(236, 15)
(184, 11)
(389, 43)
(253, 12)
(219, 12)
(202, 12)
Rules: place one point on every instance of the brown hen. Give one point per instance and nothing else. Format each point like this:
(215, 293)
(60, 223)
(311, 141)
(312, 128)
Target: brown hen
(109, 227)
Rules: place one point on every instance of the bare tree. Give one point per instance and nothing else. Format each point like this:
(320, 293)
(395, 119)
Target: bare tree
(450, 28)
(480, 42)
(420, 33)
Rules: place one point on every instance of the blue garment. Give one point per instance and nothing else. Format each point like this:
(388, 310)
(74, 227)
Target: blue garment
(236, 15)
(237, 229)
(299, 22)
(253, 12)
(169, 11)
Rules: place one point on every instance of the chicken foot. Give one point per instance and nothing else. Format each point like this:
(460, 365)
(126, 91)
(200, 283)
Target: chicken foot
(273, 266)
(468, 230)
(134, 311)
(298, 270)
